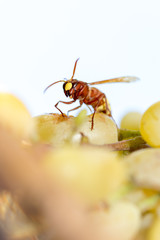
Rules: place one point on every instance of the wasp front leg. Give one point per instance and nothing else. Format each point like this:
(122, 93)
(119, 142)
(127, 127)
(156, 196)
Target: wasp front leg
(64, 103)
(74, 108)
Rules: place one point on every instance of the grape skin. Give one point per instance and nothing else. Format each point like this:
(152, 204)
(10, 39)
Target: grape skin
(150, 125)
(14, 116)
(131, 121)
(91, 173)
(144, 167)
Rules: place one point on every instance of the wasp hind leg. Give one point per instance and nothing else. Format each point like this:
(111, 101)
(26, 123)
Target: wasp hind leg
(108, 111)
(95, 110)
(105, 108)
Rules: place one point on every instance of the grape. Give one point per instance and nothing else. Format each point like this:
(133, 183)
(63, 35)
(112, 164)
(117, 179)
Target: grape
(150, 125)
(144, 167)
(14, 116)
(118, 222)
(154, 231)
(53, 128)
(104, 131)
(92, 174)
(131, 121)
(16, 224)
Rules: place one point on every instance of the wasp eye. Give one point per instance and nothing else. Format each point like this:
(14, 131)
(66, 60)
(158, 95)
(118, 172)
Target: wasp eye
(68, 86)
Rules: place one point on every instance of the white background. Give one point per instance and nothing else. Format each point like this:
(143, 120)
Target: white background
(40, 41)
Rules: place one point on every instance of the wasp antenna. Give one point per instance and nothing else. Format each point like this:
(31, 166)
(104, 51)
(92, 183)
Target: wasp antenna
(74, 69)
(52, 85)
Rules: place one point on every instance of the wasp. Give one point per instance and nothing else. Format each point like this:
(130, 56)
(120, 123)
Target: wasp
(91, 96)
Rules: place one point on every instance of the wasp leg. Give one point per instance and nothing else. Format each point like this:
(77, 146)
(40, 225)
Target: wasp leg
(74, 108)
(108, 111)
(92, 121)
(89, 108)
(65, 103)
(95, 108)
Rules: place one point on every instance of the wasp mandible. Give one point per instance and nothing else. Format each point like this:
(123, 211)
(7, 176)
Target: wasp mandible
(79, 90)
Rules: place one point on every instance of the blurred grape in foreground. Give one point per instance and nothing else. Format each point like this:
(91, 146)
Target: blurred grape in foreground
(154, 231)
(14, 116)
(126, 216)
(64, 182)
(93, 174)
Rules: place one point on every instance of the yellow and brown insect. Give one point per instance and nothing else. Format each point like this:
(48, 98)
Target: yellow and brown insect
(79, 90)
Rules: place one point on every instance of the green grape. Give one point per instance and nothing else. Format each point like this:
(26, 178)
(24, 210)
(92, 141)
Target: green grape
(144, 167)
(118, 222)
(154, 231)
(131, 121)
(145, 199)
(150, 125)
(17, 224)
(104, 130)
(14, 116)
(92, 174)
(53, 128)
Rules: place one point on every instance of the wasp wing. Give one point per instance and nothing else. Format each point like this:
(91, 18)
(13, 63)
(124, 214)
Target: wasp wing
(116, 80)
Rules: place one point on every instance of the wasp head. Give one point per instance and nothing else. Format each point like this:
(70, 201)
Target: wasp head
(69, 88)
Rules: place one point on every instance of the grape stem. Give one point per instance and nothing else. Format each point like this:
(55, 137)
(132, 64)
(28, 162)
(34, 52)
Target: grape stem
(126, 133)
(128, 145)
(124, 145)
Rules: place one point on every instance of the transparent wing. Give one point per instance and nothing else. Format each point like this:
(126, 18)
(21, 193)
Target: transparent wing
(116, 80)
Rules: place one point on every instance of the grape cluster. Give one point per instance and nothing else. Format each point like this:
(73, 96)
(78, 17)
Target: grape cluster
(61, 180)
